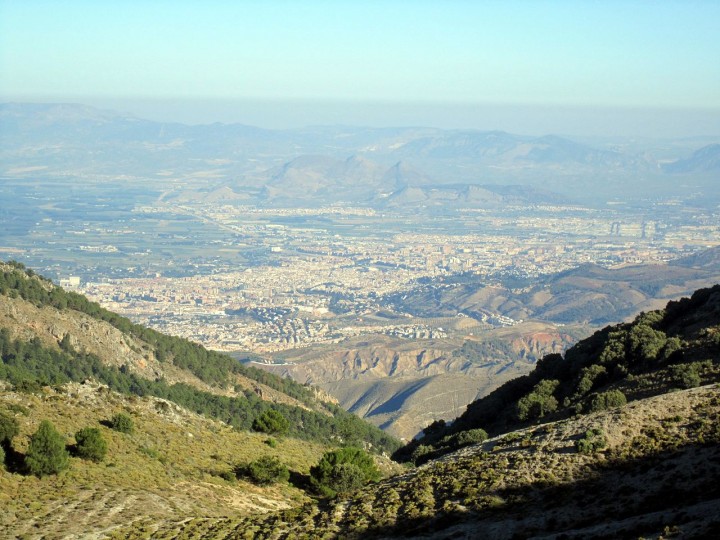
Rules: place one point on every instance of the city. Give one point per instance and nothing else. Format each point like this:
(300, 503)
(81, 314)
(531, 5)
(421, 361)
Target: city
(319, 271)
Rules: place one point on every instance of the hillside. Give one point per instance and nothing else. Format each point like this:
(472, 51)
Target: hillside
(568, 456)
(588, 293)
(653, 472)
(49, 336)
(175, 464)
(565, 455)
(678, 347)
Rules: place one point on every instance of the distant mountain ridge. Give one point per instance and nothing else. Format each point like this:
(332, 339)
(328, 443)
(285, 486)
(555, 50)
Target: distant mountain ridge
(499, 146)
(308, 178)
(62, 139)
(705, 159)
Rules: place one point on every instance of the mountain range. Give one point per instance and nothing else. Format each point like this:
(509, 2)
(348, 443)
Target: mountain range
(336, 163)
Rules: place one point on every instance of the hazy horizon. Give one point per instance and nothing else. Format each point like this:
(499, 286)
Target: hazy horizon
(600, 122)
(616, 68)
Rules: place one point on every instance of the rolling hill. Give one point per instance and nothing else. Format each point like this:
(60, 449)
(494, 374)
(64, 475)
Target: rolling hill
(589, 293)
(705, 159)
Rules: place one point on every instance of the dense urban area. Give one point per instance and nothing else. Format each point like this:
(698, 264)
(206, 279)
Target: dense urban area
(310, 265)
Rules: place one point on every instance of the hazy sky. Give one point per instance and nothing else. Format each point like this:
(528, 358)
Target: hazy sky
(188, 58)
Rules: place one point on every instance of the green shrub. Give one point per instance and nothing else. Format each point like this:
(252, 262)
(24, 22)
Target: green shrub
(90, 444)
(614, 349)
(2, 457)
(686, 375)
(672, 345)
(343, 469)
(346, 477)
(27, 386)
(592, 441)
(511, 438)
(46, 452)
(607, 400)
(149, 451)
(272, 443)
(9, 428)
(229, 476)
(419, 454)
(588, 378)
(471, 436)
(539, 402)
(646, 342)
(263, 471)
(271, 422)
(123, 423)
(17, 408)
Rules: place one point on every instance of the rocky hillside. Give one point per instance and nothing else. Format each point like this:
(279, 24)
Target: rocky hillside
(649, 469)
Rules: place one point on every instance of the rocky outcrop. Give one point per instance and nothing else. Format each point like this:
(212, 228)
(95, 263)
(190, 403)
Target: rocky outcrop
(536, 345)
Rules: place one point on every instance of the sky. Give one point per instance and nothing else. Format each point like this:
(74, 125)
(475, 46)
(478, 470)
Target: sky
(649, 65)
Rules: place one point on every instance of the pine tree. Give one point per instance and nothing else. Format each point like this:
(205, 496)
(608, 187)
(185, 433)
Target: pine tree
(343, 470)
(272, 422)
(46, 453)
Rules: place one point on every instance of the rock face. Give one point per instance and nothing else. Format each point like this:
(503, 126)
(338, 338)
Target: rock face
(404, 385)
